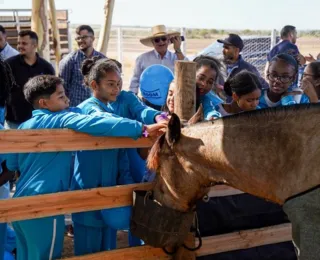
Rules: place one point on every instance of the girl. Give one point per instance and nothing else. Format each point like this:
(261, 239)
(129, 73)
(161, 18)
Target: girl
(281, 74)
(310, 83)
(106, 167)
(245, 89)
(207, 77)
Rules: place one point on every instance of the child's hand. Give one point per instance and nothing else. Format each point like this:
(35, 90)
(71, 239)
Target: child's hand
(155, 130)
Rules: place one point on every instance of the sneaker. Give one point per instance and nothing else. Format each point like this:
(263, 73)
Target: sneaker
(70, 231)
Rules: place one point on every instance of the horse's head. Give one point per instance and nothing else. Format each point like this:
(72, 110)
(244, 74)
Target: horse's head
(179, 182)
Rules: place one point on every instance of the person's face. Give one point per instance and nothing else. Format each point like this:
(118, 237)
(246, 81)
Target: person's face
(58, 101)
(280, 76)
(3, 40)
(170, 98)
(26, 45)
(294, 37)
(108, 88)
(230, 53)
(161, 44)
(85, 40)
(248, 101)
(309, 76)
(205, 79)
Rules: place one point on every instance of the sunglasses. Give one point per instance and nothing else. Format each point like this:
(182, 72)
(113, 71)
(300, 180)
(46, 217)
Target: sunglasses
(157, 40)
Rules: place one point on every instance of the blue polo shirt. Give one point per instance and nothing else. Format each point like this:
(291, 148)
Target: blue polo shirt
(284, 46)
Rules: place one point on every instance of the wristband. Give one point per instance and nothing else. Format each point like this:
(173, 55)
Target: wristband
(162, 116)
(144, 131)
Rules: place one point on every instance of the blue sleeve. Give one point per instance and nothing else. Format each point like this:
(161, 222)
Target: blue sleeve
(291, 100)
(140, 112)
(65, 72)
(304, 99)
(124, 176)
(99, 126)
(209, 108)
(12, 162)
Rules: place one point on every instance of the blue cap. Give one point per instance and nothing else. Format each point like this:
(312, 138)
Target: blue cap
(234, 40)
(154, 84)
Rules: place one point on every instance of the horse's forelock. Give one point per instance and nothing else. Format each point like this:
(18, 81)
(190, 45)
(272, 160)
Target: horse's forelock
(153, 157)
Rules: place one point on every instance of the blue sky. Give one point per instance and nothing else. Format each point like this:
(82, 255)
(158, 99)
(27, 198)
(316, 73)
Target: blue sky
(217, 14)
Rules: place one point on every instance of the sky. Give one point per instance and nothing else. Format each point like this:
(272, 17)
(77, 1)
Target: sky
(213, 14)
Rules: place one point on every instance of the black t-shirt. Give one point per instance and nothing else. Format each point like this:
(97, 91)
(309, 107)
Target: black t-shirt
(18, 109)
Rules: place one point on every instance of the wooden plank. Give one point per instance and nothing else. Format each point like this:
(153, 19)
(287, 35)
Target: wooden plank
(245, 239)
(75, 201)
(211, 245)
(68, 202)
(46, 140)
(132, 253)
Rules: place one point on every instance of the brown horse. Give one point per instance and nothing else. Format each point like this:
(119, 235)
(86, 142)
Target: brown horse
(271, 153)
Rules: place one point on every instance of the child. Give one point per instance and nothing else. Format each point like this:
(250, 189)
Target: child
(281, 74)
(245, 89)
(42, 173)
(207, 77)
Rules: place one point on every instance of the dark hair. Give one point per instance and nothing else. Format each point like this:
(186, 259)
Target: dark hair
(315, 68)
(242, 83)
(287, 59)
(40, 86)
(209, 61)
(33, 35)
(285, 31)
(7, 81)
(84, 27)
(95, 68)
(2, 29)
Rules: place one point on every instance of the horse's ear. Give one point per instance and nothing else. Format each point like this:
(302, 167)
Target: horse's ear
(197, 117)
(174, 130)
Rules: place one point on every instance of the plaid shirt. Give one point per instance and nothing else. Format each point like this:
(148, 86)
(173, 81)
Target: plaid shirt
(70, 71)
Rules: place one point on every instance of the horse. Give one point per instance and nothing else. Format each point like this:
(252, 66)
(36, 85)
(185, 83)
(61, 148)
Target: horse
(270, 153)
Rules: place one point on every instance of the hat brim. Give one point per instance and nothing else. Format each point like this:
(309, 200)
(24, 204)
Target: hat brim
(148, 41)
(225, 42)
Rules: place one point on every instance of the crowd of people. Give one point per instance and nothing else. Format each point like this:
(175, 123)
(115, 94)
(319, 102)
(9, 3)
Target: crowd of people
(88, 97)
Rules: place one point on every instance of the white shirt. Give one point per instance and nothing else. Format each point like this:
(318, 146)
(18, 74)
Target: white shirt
(147, 59)
(8, 52)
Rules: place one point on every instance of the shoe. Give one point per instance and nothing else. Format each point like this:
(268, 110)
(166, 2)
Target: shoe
(70, 231)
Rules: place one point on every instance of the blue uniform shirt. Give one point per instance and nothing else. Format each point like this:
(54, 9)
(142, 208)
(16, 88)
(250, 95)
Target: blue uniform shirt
(49, 172)
(209, 102)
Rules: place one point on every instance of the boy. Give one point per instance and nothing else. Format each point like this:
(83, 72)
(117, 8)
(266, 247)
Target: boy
(42, 173)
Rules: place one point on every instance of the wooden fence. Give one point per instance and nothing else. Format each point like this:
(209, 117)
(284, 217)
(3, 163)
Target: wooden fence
(79, 201)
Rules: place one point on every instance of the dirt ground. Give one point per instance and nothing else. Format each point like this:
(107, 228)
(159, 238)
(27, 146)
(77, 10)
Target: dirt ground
(68, 244)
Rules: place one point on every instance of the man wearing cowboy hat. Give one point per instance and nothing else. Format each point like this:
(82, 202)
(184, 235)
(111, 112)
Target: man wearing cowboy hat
(159, 40)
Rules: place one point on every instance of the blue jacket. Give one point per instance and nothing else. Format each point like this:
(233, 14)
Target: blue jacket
(49, 172)
(5, 188)
(243, 65)
(102, 168)
(265, 102)
(129, 106)
(209, 103)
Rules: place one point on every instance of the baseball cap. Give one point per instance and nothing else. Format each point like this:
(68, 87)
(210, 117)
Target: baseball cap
(234, 40)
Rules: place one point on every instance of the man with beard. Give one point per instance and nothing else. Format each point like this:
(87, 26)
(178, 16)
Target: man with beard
(70, 66)
(24, 66)
(159, 40)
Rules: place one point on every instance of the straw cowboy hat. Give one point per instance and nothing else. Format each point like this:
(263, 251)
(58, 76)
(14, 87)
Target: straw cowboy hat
(157, 31)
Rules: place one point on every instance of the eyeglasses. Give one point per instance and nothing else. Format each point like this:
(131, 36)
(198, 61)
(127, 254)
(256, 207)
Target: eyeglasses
(282, 79)
(82, 37)
(157, 40)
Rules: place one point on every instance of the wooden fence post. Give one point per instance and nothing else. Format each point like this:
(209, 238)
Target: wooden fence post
(185, 91)
(185, 108)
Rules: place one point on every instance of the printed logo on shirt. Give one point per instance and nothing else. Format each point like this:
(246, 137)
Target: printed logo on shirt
(151, 94)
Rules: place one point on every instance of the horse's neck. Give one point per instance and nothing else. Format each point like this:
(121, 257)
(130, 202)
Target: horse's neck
(239, 156)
